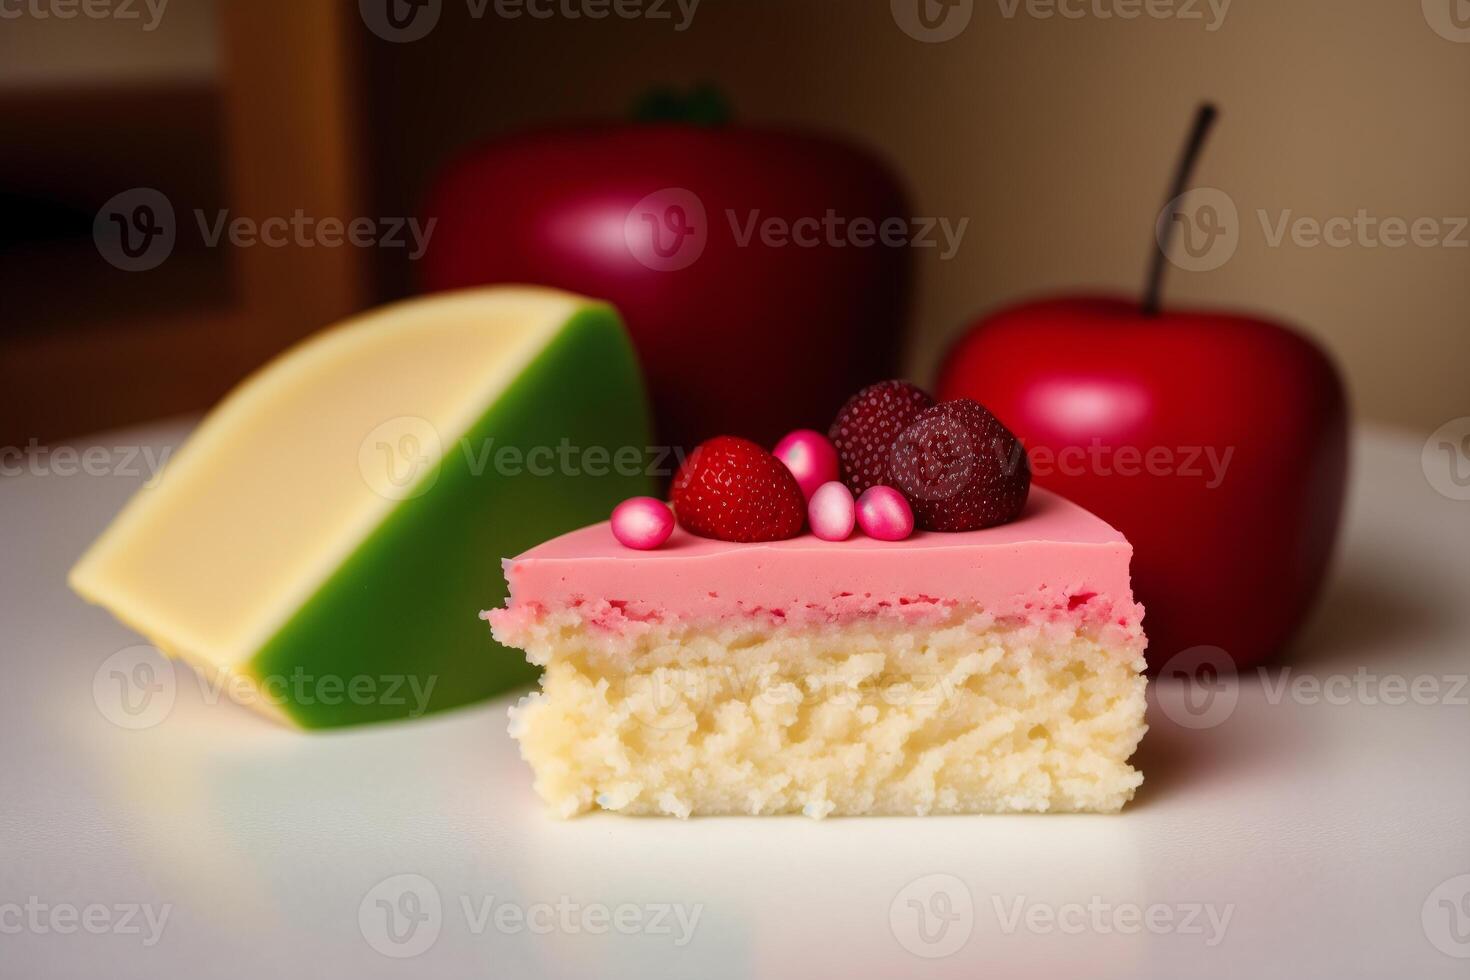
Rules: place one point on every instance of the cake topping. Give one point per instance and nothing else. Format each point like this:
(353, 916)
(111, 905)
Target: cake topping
(831, 512)
(960, 468)
(731, 489)
(884, 514)
(643, 523)
(866, 427)
(809, 457)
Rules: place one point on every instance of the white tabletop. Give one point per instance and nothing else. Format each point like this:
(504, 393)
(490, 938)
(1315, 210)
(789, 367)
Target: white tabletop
(1305, 832)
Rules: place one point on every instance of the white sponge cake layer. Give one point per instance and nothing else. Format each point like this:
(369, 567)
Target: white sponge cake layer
(874, 716)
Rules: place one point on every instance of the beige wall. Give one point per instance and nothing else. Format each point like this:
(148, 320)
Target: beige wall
(1055, 137)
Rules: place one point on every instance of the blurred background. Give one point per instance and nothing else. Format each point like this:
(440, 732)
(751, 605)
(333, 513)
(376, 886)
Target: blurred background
(1051, 126)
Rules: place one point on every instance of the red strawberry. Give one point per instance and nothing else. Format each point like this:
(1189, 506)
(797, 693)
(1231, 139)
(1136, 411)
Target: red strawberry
(960, 468)
(865, 429)
(730, 488)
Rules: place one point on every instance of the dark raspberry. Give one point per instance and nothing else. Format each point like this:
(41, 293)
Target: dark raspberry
(960, 468)
(864, 431)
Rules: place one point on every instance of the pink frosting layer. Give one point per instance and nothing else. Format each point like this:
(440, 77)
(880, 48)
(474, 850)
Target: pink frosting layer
(1056, 563)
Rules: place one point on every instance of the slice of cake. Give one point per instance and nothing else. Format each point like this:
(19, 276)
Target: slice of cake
(984, 671)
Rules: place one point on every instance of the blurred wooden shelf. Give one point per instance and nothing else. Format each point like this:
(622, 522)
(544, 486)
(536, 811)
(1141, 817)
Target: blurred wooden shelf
(84, 345)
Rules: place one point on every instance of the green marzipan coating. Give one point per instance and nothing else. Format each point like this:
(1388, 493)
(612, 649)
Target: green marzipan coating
(403, 609)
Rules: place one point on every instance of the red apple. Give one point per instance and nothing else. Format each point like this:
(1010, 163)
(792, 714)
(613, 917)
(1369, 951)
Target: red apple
(1216, 442)
(738, 331)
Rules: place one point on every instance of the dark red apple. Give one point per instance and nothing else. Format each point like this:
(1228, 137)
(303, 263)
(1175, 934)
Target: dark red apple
(1216, 442)
(692, 232)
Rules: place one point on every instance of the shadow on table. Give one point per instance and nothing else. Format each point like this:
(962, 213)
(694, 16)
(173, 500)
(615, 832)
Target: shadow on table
(1362, 621)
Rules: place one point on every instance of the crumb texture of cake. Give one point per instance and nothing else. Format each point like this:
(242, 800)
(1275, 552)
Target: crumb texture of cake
(875, 717)
(991, 671)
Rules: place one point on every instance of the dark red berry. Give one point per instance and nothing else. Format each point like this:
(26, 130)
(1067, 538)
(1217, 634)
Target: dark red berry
(865, 429)
(732, 489)
(960, 468)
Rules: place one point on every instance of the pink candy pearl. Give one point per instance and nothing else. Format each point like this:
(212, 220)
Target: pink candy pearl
(642, 522)
(810, 458)
(831, 512)
(883, 513)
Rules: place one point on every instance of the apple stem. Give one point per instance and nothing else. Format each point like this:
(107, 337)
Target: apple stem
(1204, 118)
(703, 105)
